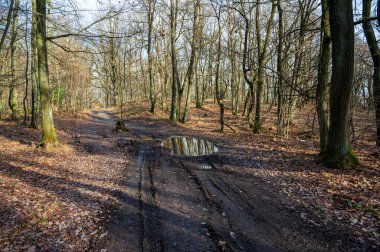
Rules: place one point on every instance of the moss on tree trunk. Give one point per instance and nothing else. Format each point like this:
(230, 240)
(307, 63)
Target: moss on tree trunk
(49, 137)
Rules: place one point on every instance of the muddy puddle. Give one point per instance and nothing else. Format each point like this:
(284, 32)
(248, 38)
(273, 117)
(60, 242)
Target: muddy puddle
(189, 146)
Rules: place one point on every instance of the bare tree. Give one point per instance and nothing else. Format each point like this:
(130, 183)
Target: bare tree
(375, 53)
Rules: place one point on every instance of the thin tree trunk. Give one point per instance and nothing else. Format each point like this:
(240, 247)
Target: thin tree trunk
(152, 95)
(198, 99)
(262, 60)
(7, 24)
(218, 92)
(246, 103)
(13, 102)
(323, 77)
(246, 69)
(193, 60)
(173, 19)
(25, 100)
(375, 53)
(280, 111)
(143, 74)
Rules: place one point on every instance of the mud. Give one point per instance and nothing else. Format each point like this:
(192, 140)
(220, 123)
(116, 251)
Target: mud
(169, 203)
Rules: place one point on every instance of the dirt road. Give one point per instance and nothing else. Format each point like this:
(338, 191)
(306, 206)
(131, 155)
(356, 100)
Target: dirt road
(123, 191)
(169, 203)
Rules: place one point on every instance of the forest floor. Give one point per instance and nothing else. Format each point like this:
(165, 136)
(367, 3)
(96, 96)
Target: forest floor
(109, 191)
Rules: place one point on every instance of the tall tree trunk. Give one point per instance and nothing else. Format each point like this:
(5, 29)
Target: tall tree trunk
(1, 94)
(323, 77)
(234, 83)
(173, 28)
(25, 100)
(48, 132)
(34, 72)
(193, 60)
(152, 95)
(13, 102)
(250, 98)
(7, 24)
(339, 153)
(375, 53)
(280, 112)
(144, 94)
(262, 60)
(219, 93)
(113, 69)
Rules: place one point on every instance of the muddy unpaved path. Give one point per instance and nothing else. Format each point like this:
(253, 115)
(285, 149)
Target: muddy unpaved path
(169, 203)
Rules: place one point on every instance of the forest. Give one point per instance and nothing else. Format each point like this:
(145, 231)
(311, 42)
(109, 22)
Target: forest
(189, 125)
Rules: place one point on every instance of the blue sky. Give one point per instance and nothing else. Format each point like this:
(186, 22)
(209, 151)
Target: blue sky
(87, 4)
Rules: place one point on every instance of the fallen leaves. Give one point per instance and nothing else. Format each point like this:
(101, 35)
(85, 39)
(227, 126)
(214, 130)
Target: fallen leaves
(291, 167)
(56, 200)
(59, 200)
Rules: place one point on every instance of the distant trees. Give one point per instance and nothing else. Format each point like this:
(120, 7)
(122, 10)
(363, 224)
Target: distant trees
(250, 58)
(70, 78)
(375, 54)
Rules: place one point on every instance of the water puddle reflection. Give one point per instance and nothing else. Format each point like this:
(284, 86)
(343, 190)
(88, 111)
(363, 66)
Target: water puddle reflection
(189, 146)
(204, 167)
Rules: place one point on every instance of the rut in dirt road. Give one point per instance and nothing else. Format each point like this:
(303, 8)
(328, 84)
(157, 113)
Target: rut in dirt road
(148, 161)
(172, 204)
(166, 226)
(163, 210)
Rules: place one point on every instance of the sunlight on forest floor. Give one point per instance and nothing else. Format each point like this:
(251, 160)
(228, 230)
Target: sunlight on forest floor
(61, 199)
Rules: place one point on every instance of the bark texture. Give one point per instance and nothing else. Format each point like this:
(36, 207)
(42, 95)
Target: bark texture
(49, 137)
(339, 153)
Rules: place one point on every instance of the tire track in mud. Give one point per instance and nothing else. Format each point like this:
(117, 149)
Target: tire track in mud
(243, 225)
(148, 161)
(221, 229)
(183, 208)
(246, 232)
(218, 225)
(170, 203)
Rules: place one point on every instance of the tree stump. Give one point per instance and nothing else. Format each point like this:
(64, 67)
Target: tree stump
(120, 126)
